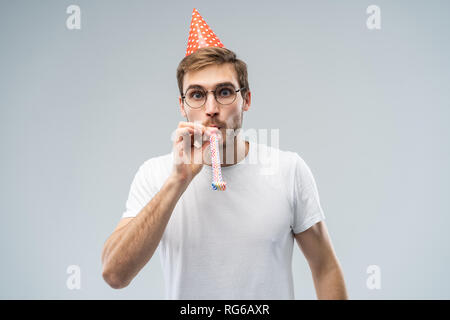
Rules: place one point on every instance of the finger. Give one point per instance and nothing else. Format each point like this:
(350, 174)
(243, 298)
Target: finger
(187, 143)
(197, 125)
(177, 146)
(181, 132)
(199, 130)
(183, 144)
(206, 154)
(205, 145)
(197, 138)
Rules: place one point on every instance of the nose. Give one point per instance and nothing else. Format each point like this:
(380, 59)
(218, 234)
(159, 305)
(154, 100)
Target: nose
(212, 107)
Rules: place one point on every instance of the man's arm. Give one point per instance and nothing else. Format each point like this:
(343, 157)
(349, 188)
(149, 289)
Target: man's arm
(327, 274)
(135, 240)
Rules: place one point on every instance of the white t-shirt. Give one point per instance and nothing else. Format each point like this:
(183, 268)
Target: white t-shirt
(237, 243)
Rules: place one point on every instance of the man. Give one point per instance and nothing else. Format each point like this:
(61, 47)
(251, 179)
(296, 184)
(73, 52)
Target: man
(232, 244)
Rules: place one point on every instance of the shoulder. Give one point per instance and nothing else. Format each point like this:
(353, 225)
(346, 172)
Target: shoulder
(158, 165)
(284, 162)
(274, 153)
(157, 160)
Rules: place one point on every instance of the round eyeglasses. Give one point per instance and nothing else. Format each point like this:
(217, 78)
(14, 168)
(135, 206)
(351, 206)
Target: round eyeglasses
(196, 97)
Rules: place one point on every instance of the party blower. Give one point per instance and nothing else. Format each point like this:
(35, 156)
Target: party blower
(217, 182)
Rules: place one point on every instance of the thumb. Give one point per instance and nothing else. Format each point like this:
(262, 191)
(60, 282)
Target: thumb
(205, 145)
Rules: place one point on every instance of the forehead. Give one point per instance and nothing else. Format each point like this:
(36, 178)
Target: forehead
(208, 77)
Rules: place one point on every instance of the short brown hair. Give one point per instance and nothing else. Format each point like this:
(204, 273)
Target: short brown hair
(207, 56)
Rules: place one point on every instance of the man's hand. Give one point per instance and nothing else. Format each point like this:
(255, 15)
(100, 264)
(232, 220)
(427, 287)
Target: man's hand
(190, 143)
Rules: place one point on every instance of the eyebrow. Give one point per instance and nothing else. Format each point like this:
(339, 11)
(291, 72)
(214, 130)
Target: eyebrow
(221, 84)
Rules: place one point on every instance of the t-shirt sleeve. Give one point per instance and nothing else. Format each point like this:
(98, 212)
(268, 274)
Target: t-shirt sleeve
(306, 202)
(141, 192)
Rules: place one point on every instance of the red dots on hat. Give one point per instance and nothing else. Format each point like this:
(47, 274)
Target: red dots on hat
(200, 35)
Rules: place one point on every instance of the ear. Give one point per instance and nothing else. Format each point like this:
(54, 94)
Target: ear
(247, 101)
(183, 112)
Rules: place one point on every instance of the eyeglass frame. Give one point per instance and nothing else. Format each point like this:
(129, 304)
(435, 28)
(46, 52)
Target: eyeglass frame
(215, 96)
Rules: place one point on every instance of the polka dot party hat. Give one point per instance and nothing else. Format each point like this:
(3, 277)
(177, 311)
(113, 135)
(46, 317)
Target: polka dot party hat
(200, 35)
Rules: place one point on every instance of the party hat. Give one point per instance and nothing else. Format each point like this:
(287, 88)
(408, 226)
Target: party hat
(200, 35)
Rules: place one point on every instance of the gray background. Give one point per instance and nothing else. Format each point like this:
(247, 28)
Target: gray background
(368, 111)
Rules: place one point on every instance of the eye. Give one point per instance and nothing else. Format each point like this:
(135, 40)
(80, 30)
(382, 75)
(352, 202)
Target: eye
(225, 92)
(197, 95)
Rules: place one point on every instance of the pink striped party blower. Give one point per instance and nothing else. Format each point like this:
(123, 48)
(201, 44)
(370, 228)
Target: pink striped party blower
(217, 182)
